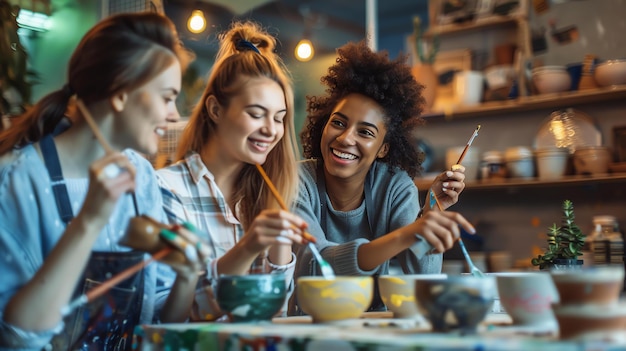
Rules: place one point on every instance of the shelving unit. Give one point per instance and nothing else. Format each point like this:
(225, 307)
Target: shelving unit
(424, 184)
(534, 102)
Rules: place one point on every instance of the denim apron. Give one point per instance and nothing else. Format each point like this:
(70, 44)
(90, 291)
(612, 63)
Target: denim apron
(107, 323)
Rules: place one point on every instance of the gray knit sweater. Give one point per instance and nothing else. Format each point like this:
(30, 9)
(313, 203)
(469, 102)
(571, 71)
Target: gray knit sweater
(396, 203)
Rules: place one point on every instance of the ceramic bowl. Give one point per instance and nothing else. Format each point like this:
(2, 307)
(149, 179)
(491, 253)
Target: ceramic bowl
(528, 297)
(611, 72)
(329, 300)
(592, 160)
(597, 285)
(398, 293)
(551, 162)
(551, 79)
(252, 297)
(456, 303)
(592, 323)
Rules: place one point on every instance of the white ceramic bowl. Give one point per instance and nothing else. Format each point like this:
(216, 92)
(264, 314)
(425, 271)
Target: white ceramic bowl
(611, 72)
(528, 297)
(519, 162)
(551, 162)
(551, 79)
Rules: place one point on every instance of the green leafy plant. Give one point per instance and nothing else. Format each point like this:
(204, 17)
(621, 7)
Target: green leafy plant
(564, 242)
(426, 51)
(15, 79)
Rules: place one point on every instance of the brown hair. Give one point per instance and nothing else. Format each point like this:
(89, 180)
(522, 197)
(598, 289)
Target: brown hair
(235, 60)
(121, 52)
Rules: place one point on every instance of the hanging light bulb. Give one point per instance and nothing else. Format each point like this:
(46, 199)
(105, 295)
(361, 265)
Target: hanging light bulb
(196, 22)
(304, 50)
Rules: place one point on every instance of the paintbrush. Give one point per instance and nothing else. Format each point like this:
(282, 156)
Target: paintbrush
(327, 270)
(103, 142)
(116, 279)
(469, 142)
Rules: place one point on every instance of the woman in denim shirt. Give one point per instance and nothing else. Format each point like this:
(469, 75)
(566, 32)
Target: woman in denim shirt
(66, 201)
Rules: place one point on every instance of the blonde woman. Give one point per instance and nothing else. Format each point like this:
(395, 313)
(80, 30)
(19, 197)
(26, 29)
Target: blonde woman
(245, 117)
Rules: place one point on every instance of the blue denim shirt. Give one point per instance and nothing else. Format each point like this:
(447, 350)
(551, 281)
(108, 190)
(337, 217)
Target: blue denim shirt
(30, 226)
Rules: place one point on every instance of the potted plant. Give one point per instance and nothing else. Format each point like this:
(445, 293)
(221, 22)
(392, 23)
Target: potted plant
(565, 243)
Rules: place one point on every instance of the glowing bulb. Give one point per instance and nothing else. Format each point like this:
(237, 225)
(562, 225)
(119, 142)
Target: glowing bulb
(304, 50)
(197, 22)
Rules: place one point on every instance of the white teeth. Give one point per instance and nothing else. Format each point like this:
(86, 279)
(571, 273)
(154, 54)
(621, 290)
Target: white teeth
(160, 131)
(344, 155)
(259, 144)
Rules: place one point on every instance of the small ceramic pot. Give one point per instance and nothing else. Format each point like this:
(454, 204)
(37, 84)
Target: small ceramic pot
(599, 285)
(142, 233)
(253, 297)
(592, 323)
(592, 160)
(551, 163)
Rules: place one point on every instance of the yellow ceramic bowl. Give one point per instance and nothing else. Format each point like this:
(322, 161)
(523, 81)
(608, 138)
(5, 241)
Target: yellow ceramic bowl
(328, 300)
(398, 293)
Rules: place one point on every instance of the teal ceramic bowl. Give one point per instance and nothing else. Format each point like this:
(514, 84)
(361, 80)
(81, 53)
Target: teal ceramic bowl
(249, 298)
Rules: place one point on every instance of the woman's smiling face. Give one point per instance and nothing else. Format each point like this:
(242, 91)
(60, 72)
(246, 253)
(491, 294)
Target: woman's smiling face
(353, 137)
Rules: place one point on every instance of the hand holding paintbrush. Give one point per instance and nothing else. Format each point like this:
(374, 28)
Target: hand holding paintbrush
(449, 185)
(327, 270)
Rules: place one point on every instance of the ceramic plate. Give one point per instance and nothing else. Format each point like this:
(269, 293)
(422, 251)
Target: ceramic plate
(568, 128)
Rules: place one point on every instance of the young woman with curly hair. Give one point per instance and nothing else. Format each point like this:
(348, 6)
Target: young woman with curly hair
(357, 192)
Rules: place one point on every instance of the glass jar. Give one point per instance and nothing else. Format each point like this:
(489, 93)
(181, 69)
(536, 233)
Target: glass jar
(607, 243)
(493, 165)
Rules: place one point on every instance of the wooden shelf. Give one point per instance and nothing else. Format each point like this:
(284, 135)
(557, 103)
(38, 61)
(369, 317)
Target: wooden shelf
(424, 184)
(477, 25)
(534, 102)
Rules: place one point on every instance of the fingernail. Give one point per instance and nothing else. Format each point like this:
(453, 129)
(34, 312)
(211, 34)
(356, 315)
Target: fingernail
(449, 173)
(472, 230)
(167, 234)
(445, 184)
(189, 226)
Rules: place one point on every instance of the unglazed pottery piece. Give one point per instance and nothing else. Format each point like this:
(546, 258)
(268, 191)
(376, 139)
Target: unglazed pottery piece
(598, 285)
(344, 297)
(253, 297)
(142, 233)
(592, 323)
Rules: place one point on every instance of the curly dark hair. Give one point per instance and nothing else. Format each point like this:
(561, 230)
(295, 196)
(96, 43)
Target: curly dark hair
(388, 82)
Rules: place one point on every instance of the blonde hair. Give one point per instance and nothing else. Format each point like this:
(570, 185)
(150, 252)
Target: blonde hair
(234, 60)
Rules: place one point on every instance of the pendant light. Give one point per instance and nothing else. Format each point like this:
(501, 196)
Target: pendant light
(197, 22)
